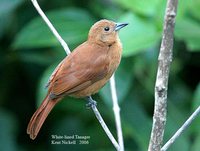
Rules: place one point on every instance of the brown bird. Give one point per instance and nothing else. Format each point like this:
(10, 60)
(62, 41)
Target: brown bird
(83, 72)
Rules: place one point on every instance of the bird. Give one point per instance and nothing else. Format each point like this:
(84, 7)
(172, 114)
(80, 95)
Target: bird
(83, 72)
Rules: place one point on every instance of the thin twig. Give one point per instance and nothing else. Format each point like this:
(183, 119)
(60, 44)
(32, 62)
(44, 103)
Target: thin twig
(116, 110)
(51, 27)
(104, 126)
(181, 129)
(165, 59)
(67, 50)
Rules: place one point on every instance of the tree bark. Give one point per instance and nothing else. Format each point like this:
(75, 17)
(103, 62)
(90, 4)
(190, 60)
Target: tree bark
(161, 86)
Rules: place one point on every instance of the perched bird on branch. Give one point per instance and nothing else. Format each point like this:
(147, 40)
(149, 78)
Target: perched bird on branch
(83, 72)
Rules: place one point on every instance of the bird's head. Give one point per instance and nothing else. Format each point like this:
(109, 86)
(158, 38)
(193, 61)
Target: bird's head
(105, 32)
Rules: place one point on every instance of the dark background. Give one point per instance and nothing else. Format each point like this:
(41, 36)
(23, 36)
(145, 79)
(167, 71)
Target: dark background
(29, 53)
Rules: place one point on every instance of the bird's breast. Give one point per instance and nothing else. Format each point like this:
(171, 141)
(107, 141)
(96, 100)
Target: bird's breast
(114, 55)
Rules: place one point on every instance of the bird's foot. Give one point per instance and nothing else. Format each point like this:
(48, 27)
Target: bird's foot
(91, 103)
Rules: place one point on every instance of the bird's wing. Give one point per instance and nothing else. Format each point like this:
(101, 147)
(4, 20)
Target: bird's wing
(86, 65)
(54, 73)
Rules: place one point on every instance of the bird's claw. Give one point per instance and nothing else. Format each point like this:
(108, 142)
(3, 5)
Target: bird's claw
(91, 103)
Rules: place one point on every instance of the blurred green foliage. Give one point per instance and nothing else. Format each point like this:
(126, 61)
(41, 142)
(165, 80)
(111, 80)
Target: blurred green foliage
(29, 53)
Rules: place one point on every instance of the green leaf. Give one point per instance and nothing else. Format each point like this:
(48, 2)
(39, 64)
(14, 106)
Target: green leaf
(189, 31)
(196, 99)
(196, 145)
(182, 10)
(195, 105)
(194, 6)
(137, 124)
(123, 79)
(175, 119)
(160, 12)
(72, 24)
(138, 35)
(6, 6)
(193, 44)
(41, 57)
(182, 143)
(144, 7)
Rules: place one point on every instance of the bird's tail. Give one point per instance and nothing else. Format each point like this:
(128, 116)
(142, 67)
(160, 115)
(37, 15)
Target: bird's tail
(39, 116)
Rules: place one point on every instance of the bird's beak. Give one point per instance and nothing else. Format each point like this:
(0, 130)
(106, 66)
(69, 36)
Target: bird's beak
(120, 25)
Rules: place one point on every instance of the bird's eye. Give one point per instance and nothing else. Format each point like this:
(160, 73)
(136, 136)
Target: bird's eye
(106, 28)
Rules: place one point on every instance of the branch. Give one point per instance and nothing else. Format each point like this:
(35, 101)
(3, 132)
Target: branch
(54, 31)
(181, 129)
(116, 110)
(67, 50)
(104, 126)
(165, 59)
